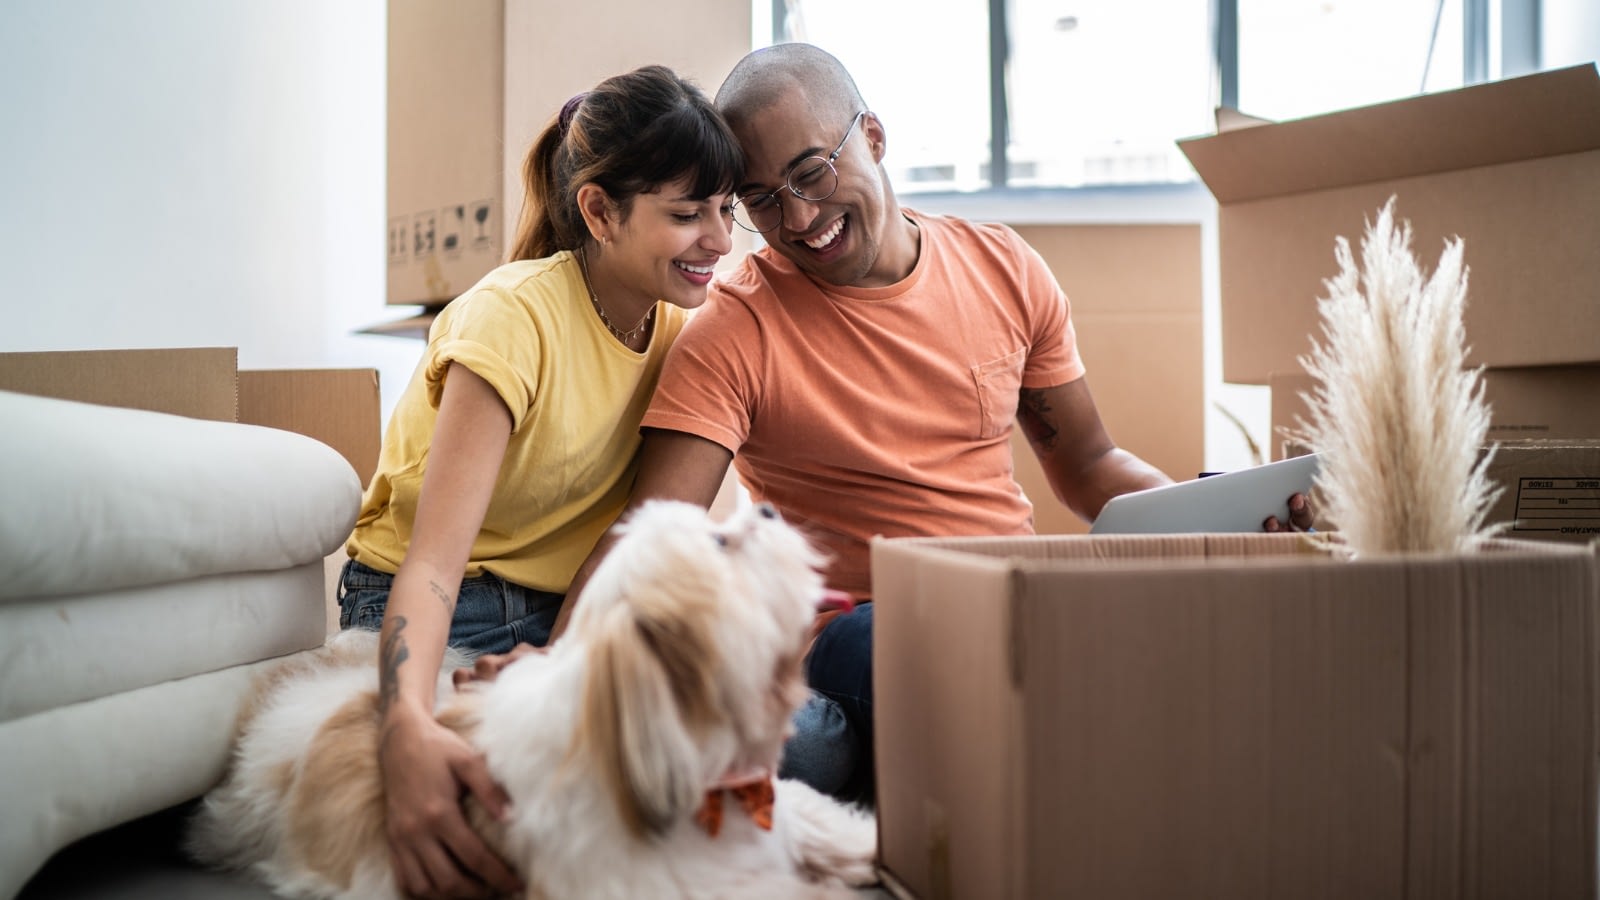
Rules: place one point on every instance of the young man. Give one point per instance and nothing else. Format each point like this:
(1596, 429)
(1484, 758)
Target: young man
(863, 371)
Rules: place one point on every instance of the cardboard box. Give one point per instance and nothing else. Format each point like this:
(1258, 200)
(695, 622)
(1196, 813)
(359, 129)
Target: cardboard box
(198, 382)
(1512, 167)
(446, 158)
(1233, 716)
(1550, 490)
(339, 407)
(1536, 403)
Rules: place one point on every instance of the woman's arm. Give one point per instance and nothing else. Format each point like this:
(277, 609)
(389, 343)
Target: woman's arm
(426, 767)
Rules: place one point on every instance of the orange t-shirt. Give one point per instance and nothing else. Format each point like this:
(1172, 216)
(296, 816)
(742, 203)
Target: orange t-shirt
(876, 411)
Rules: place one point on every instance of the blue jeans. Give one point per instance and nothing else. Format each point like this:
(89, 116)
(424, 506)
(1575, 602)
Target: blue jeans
(492, 614)
(831, 749)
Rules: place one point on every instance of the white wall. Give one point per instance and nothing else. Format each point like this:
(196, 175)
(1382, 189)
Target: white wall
(197, 173)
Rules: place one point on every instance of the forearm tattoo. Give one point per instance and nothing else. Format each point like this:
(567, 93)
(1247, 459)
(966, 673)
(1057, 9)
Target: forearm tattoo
(391, 653)
(1032, 410)
(444, 597)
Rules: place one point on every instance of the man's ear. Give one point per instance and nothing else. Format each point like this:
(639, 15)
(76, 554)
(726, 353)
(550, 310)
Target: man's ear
(596, 208)
(877, 139)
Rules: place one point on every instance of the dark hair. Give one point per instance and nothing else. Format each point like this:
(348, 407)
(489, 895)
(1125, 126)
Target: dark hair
(630, 135)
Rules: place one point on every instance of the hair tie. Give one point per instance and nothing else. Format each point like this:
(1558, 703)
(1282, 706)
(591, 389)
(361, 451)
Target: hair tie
(569, 110)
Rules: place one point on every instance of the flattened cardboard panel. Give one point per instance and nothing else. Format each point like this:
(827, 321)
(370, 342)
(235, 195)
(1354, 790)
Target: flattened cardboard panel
(197, 382)
(1123, 269)
(1529, 230)
(1145, 374)
(339, 407)
(1135, 292)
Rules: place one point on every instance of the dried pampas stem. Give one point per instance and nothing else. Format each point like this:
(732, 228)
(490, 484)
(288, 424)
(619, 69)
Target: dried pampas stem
(1398, 420)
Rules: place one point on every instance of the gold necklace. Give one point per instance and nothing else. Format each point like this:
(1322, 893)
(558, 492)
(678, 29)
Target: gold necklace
(625, 337)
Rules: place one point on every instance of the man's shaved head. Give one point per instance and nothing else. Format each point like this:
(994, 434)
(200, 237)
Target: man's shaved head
(765, 75)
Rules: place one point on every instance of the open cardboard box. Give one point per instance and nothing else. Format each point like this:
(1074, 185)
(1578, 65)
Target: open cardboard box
(1233, 716)
(1512, 167)
(339, 407)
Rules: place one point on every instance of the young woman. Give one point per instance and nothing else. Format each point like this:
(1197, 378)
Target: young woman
(514, 446)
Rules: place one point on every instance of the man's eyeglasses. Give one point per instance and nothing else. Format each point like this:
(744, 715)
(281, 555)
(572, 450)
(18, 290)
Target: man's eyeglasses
(813, 178)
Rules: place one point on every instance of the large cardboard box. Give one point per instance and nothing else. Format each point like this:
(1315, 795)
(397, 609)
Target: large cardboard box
(1550, 490)
(1512, 167)
(1233, 716)
(1534, 403)
(446, 147)
(339, 407)
(1545, 431)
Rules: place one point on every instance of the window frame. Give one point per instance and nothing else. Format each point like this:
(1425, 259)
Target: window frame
(1517, 53)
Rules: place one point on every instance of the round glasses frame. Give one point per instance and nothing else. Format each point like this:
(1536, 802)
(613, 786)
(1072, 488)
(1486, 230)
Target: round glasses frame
(813, 178)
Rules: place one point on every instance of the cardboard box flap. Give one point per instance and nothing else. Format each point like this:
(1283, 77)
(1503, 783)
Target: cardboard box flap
(1546, 114)
(198, 382)
(339, 407)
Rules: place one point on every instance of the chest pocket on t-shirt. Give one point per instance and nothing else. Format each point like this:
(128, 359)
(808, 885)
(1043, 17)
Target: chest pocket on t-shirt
(998, 382)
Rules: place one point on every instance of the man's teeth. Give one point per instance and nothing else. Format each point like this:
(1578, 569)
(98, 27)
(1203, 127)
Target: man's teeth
(698, 270)
(826, 238)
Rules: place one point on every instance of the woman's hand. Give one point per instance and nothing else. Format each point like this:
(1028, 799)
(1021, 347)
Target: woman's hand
(427, 770)
(487, 667)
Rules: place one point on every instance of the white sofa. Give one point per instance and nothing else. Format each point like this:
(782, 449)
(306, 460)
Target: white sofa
(150, 565)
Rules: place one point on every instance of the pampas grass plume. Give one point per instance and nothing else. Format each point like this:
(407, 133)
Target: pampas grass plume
(1397, 419)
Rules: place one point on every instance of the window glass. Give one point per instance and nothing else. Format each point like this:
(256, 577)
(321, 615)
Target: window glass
(924, 69)
(1302, 58)
(1101, 89)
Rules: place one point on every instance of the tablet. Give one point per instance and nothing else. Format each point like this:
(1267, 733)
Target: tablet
(1229, 501)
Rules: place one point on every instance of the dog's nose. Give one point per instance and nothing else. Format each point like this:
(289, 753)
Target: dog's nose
(766, 510)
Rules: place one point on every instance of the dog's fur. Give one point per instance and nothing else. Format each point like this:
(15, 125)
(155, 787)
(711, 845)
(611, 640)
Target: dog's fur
(681, 668)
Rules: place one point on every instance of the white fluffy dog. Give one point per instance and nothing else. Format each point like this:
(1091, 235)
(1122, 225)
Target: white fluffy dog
(671, 693)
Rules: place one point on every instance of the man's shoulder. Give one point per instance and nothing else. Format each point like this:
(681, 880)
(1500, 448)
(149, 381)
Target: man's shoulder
(757, 279)
(958, 230)
(990, 245)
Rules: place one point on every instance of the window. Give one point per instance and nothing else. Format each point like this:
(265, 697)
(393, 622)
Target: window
(1302, 58)
(924, 69)
(1091, 93)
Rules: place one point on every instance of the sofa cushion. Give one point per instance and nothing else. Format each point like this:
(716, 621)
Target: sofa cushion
(62, 650)
(99, 498)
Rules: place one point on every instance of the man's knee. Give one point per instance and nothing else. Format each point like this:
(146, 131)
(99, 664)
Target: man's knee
(824, 751)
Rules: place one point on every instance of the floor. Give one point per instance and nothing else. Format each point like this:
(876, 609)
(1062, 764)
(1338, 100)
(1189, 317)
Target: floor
(140, 861)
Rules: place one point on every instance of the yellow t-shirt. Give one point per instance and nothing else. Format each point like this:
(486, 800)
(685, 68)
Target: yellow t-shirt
(576, 396)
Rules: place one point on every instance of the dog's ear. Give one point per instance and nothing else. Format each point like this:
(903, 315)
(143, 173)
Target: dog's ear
(649, 688)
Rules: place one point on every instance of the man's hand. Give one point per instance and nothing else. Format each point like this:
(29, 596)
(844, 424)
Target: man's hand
(1301, 518)
(487, 667)
(427, 769)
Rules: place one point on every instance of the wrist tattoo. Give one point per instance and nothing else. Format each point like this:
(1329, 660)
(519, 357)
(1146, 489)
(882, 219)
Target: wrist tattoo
(444, 597)
(392, 651)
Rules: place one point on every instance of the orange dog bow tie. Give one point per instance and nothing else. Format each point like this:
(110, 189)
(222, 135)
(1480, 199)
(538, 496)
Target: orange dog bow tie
(756, 798)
